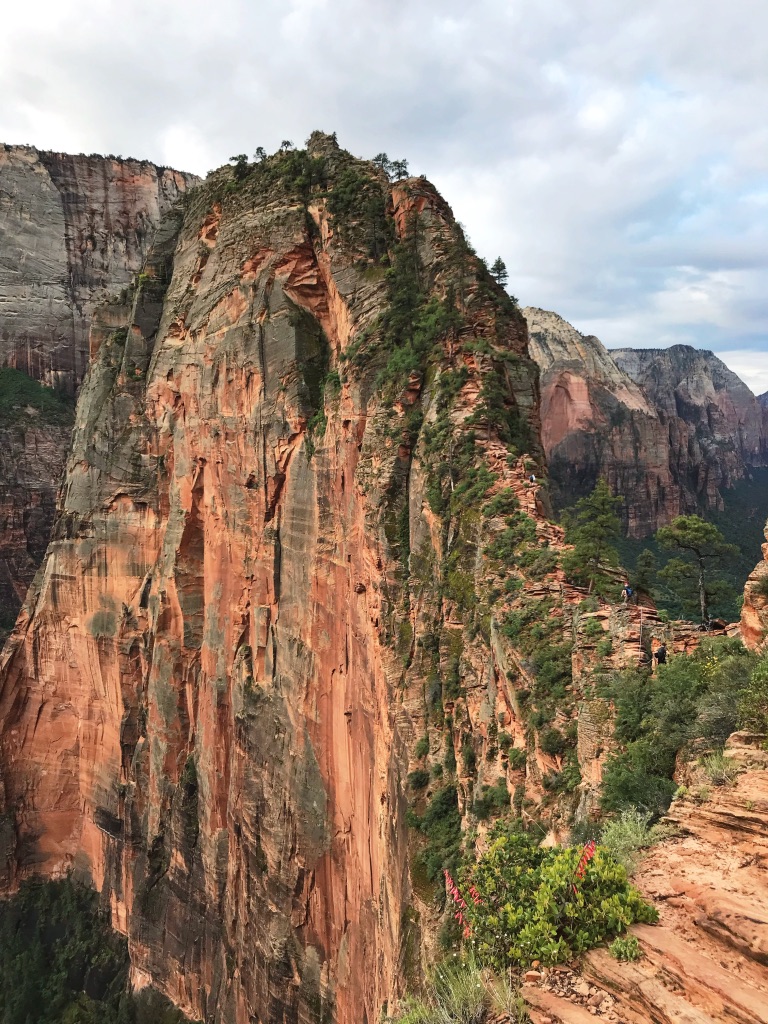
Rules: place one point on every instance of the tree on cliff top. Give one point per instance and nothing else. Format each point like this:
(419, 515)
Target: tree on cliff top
(499, 272)
(694, 577)
(593, 526)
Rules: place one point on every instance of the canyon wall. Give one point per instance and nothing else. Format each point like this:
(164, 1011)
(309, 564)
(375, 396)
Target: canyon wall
(669, 429)
(73, 230)
(210, 696)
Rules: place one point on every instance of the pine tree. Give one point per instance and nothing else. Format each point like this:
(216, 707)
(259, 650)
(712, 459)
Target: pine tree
(693, 577)
(644, 575)
(592, 526)
(499, 272)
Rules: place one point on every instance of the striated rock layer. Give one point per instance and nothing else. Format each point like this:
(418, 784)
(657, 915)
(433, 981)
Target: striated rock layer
(754, 611)
(669, 429)
(205, 706)
(73, 229)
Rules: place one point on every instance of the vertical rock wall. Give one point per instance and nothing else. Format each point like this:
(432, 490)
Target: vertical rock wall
(204, 707)
(73, 229)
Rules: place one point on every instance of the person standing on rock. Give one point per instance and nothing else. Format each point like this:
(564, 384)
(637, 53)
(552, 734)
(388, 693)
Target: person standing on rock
(660, 655)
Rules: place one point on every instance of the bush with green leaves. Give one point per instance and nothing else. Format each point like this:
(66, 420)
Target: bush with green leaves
(625, 948)
(533, 906)
(719, 769)
(753, 700)
(552, 742)
(418, 779)
(626, 835)
(493, 800)
(441, 826)
(697, 697)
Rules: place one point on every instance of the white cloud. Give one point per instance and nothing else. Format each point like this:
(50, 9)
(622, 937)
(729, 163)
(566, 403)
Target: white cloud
(750, 365)
(614, 154)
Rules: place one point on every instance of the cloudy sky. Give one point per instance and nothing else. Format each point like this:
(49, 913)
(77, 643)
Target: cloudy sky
(614, 153)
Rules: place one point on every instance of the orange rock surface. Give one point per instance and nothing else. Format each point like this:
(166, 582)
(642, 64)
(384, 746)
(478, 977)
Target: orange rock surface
(202, 706)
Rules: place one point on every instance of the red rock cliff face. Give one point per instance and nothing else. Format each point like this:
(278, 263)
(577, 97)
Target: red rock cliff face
(73, 229)
(205, 705)
(754, 611)
(669, 429)
(598, 422)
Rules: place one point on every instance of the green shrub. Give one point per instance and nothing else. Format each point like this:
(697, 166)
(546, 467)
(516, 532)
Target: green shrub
(626, 948)
(418, 779)
(592, 627)
(504, 503)
(695, 697)
(422, 748)
(534, 908)
(441, 824)
(753, 705)
(517, 758)
(468, 758)
(552, 742)
(505, 741)
(493, 800)
(720, 770)
(626, 836)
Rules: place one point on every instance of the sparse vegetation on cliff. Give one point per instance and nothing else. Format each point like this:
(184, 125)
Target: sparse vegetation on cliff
(24, 400)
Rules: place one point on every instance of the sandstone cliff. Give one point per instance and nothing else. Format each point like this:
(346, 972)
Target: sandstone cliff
(73, 229)
(669, 429)
(208, 701)
(754, 611)
(596, 422)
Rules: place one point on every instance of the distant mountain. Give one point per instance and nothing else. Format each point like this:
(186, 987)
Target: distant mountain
(668, 428)
(763, 400)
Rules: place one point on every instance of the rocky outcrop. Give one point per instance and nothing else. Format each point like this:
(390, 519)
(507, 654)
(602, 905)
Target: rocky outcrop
(32, 456)
(754, 610)
(669, 429)
(73, 229)
(209, 697)
(706, 961)
(717, 428)
(597, 422)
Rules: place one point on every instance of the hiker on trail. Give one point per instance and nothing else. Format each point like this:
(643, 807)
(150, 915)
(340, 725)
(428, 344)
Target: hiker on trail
(626, 594)
(661, 654)
(532, 478)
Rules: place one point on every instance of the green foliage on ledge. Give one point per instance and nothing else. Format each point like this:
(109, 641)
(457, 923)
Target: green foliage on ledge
(20, 393)
(546, 904)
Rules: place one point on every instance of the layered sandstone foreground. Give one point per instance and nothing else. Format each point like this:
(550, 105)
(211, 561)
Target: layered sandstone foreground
(706, 961)
(73, 230)
(669, 429)
(204, 705)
